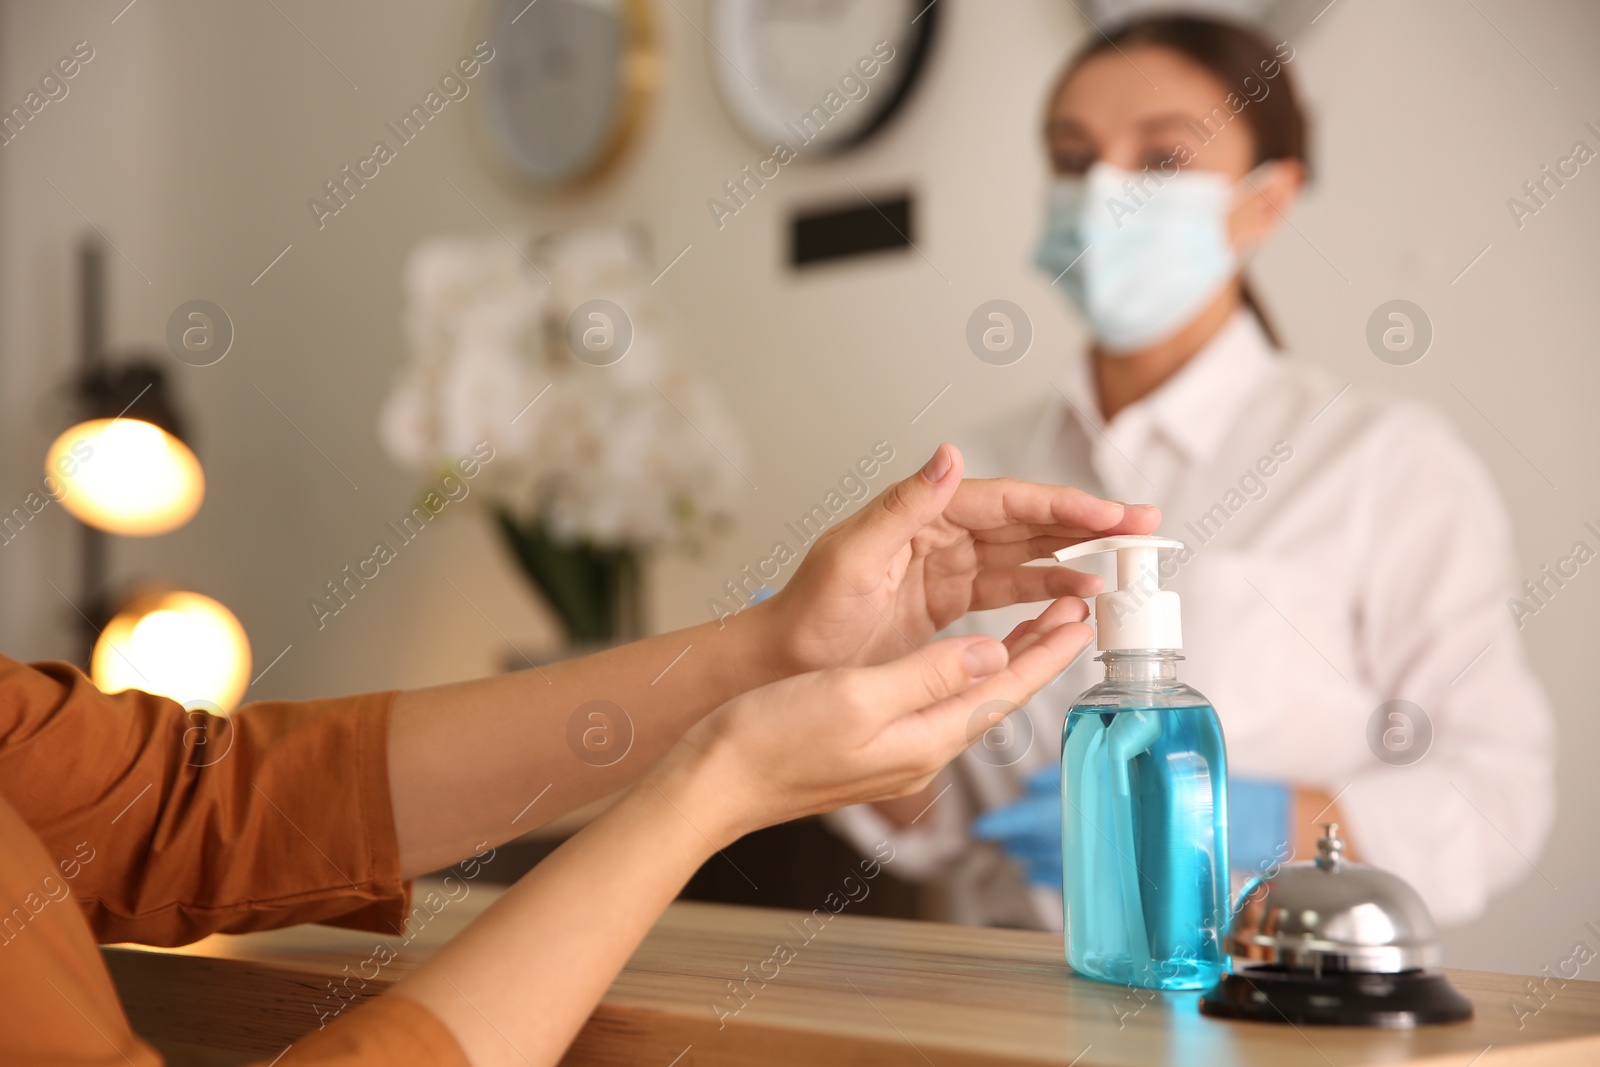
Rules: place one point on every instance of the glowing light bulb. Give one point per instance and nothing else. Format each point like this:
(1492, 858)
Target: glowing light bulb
(126, 476)
(180, 645)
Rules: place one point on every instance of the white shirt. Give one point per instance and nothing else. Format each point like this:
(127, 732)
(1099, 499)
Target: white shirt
(1349, 550)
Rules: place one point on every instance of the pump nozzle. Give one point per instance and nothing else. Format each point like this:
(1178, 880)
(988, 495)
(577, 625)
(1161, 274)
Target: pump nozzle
(1138, 613)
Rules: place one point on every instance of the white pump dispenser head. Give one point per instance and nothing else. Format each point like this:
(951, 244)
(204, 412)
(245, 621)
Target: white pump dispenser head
(1138, 613)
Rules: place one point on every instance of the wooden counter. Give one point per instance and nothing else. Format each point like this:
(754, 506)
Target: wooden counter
(860, 991)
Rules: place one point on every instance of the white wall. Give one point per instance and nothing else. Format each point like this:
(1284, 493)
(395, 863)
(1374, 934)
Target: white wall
(199, 130)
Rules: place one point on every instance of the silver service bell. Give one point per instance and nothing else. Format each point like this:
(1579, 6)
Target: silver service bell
(1334, 942)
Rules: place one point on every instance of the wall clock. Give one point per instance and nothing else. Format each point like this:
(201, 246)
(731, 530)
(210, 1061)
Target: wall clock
(820, 76)
(568, 85)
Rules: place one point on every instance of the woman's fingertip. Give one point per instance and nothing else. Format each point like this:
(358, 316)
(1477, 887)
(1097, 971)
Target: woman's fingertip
(938, 465)
(1142, 513)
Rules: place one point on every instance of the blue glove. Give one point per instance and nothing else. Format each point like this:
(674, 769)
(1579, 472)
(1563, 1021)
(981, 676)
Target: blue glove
(1029, 829)
(1258, 824)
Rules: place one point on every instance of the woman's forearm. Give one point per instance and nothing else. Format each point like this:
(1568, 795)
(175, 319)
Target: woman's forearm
(516, 985)
(480, 762)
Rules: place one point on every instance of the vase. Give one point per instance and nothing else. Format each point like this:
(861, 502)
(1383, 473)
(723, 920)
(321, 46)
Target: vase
(593, 589)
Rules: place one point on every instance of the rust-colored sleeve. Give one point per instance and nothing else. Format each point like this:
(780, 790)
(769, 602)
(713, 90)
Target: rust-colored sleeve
(179, 824)
(60, 1008)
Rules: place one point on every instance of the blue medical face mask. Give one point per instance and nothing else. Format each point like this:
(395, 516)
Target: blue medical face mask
(1138, 263)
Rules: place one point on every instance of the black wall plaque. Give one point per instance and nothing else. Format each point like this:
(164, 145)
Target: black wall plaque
(821, 235)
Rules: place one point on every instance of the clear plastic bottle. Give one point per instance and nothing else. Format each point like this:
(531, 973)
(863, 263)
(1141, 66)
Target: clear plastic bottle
(1144, 827)
(1144, 792)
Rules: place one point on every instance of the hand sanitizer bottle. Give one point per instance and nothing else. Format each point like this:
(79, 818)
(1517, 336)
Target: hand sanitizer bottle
(1144, 801)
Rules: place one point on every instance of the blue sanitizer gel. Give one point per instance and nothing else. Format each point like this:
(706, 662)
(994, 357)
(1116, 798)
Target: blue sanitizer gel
(1144, 828)
(1144, 801)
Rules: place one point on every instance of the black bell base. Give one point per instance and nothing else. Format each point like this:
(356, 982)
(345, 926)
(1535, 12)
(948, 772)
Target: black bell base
(1340, 998)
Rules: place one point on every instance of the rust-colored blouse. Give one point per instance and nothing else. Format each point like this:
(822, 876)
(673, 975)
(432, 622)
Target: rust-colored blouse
(128, 818)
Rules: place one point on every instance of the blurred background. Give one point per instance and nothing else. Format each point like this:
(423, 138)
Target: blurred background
(198, 136)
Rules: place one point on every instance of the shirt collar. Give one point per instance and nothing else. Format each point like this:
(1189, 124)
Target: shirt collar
(1196, 406)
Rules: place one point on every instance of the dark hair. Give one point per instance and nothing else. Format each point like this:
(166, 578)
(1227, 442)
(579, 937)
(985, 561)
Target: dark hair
(1231, 53)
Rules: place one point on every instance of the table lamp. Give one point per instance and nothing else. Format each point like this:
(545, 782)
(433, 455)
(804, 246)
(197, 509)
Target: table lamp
(126, 469)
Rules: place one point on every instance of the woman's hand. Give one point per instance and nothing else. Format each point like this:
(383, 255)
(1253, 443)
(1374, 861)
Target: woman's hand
(874, 587)
(926, 551)
(850, 735)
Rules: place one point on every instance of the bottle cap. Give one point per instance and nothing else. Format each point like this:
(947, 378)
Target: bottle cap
(1138, 613)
